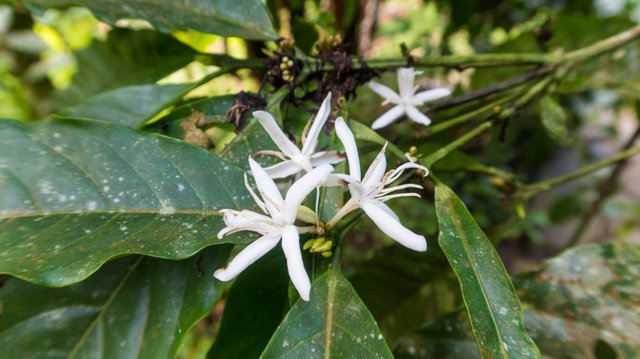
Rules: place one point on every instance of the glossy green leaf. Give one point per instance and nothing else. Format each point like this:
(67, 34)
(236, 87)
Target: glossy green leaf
(238, 18)
(256, 304)
(134, 307)
(421, 286)
(75, 193)
(579, 305)
(554, 118)
(126, 58)
(493, 306)
(132, 105)
(334, 323)
(207, 111)
(585, 299)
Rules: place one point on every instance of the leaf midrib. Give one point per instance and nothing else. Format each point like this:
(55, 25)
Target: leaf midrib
(467, 252)
(103, 309)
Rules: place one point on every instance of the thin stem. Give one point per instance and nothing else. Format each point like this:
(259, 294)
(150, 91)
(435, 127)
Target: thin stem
(550, 183)
(605, 189)
(442, 126)
(464, 62)
(492, 89)
(499, 118)
(602, 46)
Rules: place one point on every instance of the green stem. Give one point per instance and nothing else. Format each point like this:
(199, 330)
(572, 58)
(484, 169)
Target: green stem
(550, 183)
(502, 116)
(442, 126)
(603, 46)
(605, 189)
(429, 160)
(464, 62)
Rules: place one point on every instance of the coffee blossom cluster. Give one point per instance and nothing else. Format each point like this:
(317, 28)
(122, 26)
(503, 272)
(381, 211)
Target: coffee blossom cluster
(281, 219)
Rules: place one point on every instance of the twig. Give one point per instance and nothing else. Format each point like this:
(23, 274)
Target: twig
(605, 189)
(490, 90)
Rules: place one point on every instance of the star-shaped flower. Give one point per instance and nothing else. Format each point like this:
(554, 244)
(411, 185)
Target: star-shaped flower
(294, 159)
(369, 193)
(275, 224)
(407, 101)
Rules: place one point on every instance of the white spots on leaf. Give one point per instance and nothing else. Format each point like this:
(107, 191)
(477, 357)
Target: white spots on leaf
(92, 205)
(180, 187)
(56, 135)
(166, 208)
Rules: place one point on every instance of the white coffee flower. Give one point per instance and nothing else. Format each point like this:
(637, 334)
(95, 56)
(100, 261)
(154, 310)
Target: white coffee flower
(370, 192)
(407, 101)
(294, 159)
(275, 224)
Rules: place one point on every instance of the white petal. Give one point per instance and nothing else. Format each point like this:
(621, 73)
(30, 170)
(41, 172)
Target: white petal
(247, 257)
(396, 173)
(283, 169)
(417, 116)
(430, 95)
(279, 138)
(301, 188)
(376, 169)
(384, 91)
(337, 179)
(326, 158)
(388, 210)
(267, 188)
(392, 227)
(388, 117)
(311, 141)
(349, 143)
(406, 76)
(295, 265)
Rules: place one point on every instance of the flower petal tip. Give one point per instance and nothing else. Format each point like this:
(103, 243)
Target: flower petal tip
(222, 275)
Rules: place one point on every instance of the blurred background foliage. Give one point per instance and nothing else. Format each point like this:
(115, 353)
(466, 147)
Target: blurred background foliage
(54, 59)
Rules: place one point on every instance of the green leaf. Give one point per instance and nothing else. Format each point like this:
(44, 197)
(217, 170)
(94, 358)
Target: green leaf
(209, 111)
(494, 308)
(582, 304)
(133, 307)
(421, 287)
(334, 323)
(126, 58)
(248, 19)
(554, 118)
(256, 304)
(76, 193)
(586, 299)
(132, 105)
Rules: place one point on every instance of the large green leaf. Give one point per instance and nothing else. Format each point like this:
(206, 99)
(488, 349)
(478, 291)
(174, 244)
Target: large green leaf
(126, 58)
(334, 323)
(256, 304)
(421, 286)
(132, 105)
(76, 193)
(493, 306)
(134, 307)
(585, 300)
(240, 18)
(584, 303)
